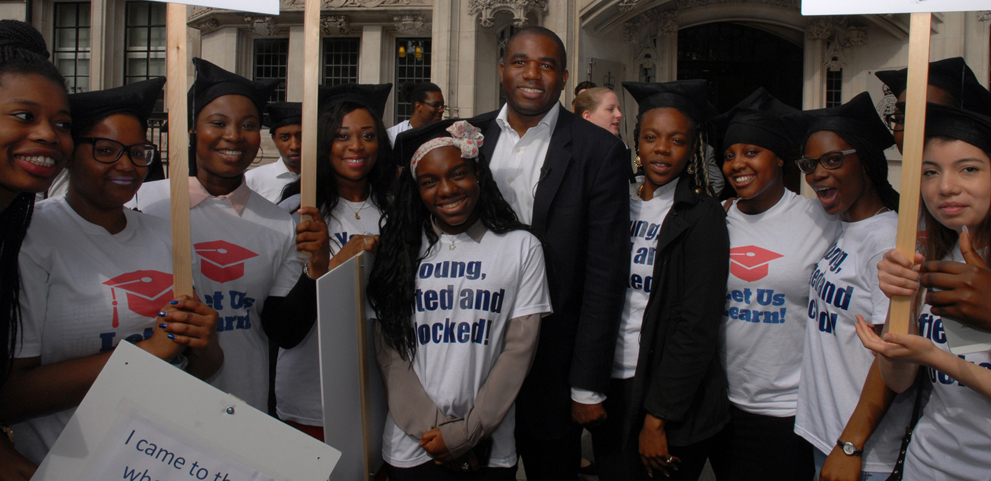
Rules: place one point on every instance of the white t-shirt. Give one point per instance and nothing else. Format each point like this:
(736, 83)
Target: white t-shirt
(269, 180)
(297, 375)
(952, 440)
(835, 363)
(397, 129)
(83, 290)
(646, 219)
(772, 255)
(243, 260)
(465, 297)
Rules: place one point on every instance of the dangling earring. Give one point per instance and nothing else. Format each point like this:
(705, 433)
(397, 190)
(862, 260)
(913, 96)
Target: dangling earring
(637, 161)
(259, 156)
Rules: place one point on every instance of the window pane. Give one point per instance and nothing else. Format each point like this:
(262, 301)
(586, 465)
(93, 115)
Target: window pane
(137, 13)
(65, 14)
(156, 67)
(157, 13)
(65, 39)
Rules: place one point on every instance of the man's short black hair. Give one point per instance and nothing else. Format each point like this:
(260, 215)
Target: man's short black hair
(543, 32)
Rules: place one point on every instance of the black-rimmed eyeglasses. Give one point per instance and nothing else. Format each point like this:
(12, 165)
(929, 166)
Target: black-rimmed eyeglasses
(829, 161)
(895, 121)
(436, 105)
(109, 151)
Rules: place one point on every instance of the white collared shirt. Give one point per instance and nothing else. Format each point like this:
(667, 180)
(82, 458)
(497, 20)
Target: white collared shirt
(269, 180)
(516, 161)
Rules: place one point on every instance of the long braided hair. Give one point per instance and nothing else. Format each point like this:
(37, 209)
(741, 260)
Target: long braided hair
(392, 282)
(22, 51)
(695, 171)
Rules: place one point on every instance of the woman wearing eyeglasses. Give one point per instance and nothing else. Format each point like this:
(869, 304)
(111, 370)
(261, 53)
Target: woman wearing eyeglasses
(842, 399)
(95, 273)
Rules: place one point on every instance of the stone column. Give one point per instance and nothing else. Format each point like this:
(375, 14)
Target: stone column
(370, 60)
(294, 82)
(221, 48)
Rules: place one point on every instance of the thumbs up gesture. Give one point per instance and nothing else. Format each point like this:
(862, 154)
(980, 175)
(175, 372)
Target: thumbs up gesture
(960, 290)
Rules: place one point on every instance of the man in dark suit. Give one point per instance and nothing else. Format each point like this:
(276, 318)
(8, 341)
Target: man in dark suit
(568, 179)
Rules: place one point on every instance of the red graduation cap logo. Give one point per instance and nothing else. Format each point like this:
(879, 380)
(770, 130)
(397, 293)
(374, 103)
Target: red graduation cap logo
(222, 261)
(147, 292)
(749, 263)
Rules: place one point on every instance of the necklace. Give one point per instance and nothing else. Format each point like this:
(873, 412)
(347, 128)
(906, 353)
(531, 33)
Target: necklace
(882, 209)
(356, 216)
(452, 239)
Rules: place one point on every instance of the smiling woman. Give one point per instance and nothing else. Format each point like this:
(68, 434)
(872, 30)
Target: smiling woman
(249, 268)
(763, 326)
(448, 210)
(71, 326)
(34, 118)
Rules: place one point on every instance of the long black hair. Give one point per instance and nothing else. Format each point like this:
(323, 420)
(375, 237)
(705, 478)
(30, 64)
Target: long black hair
(22, 51)
(380, 178)
(392, 282)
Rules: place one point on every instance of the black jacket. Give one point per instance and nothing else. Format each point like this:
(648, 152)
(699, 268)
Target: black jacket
(581, 214)
(679, 376)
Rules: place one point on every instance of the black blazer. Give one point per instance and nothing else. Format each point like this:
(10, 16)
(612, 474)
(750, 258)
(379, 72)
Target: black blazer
(679, 376)
(581, 214)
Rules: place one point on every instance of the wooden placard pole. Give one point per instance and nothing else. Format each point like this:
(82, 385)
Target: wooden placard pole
(175, 91)
(915, 128)
(311, 82)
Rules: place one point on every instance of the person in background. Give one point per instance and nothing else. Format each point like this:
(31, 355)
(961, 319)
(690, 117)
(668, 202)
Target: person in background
(250, 270)
(951, 82)
(284, 121)
(353, 187)
(600, 106)
(667, 398)
(844, 409)
(776, 239)
(568, 179)
(96, 273)
(35, 128)
(428, 107)
(953, 435)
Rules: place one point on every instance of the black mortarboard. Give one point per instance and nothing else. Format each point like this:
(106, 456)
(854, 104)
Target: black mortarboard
(88, 108)
(213, 81)
(687, 96)
(762, 120)
(374, 96)
(858, 117)
(952, 75)
(281, 114)
(954, 123)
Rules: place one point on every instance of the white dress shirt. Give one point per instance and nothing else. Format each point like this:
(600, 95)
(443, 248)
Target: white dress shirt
(517, 161)
(269, 180)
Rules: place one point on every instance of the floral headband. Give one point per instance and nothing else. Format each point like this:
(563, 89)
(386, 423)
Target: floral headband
(464, 136)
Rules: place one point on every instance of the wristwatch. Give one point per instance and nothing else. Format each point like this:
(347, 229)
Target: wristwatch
(848, 448)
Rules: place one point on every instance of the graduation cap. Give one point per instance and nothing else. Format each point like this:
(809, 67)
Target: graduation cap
(762, 120)
(213, 81)
(138, 99)
(952, 75)
(960, 124)
(281, 114)
(373, 96)
(858, 117)
(222, 261)
(687, 96)
(147, 291)
(408, 142)
(749, 263)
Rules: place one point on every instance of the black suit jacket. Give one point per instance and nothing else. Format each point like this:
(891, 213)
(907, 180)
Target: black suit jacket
(581, 214)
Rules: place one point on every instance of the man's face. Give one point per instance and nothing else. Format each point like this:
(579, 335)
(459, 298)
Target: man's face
(532, 75)
(289, 139)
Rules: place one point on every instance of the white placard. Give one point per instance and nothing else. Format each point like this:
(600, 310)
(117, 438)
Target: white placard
(145, 451)
(354, 403)
(219, 432)
(963, 339)
(270, 7)
(855, 7)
